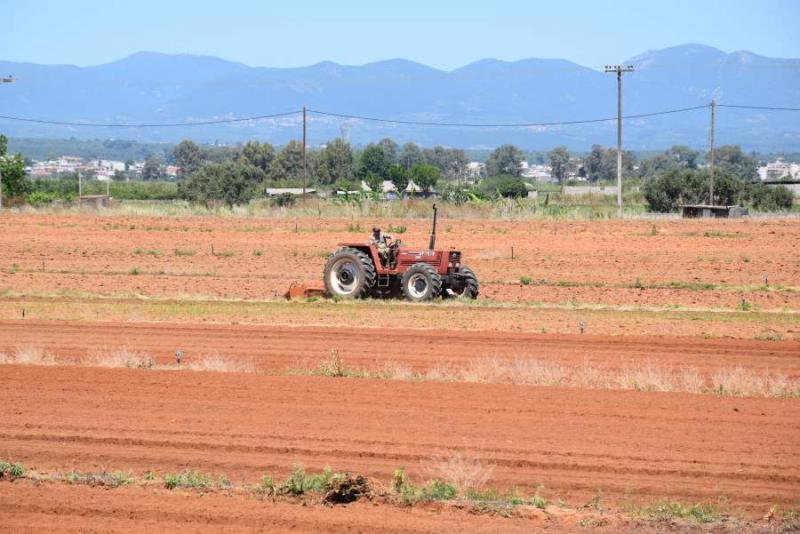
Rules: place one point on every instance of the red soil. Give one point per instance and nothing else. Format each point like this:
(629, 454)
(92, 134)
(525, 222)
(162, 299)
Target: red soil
(630, 445)
(278, 348)
(256, 258)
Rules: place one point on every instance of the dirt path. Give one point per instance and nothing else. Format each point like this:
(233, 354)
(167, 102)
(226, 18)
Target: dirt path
(628, 445)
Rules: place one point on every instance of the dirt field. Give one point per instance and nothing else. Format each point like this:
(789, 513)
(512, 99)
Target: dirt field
(670, 294)
(691, 264)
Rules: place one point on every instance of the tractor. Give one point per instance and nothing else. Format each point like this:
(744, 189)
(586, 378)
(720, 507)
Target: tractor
(384, 268)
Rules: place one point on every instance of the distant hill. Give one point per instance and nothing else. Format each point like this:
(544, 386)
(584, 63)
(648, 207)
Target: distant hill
(150, 87)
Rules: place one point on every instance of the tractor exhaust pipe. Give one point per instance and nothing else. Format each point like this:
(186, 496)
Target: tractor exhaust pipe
(432, 242)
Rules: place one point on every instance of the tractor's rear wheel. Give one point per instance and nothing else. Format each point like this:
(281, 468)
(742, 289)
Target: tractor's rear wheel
(421, 282)
(349, 274)
(467, 286)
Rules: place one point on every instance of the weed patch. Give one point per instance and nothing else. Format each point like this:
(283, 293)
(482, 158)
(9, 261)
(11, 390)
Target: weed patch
(188, 479)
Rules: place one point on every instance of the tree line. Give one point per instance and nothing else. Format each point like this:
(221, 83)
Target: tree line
(235, 175)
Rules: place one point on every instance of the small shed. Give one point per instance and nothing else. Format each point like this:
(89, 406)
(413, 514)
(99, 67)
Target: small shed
(697, 211)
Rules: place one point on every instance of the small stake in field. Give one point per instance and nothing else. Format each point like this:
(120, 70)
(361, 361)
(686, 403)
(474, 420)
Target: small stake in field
(178, 356)
(582, 326)
(512, 253)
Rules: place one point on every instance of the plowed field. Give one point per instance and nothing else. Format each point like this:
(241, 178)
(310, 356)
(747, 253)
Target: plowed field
(711, 296)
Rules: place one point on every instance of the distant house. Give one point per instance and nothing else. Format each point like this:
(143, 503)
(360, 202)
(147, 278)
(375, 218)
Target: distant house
(414, 191)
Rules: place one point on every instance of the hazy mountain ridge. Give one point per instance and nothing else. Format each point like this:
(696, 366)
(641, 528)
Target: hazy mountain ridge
(150, 87)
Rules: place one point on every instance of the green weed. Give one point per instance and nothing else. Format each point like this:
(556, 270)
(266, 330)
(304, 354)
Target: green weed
(187, 479)
(11, 470)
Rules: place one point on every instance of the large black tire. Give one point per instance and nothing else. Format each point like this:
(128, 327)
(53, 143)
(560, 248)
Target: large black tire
(466, 288)
(349, 274)
(421, 282)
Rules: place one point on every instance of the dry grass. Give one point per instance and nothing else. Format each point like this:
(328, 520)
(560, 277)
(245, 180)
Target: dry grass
(646, 376)
(743, 382)
(221, 364)
(120, 358)
(460, 471)
(28, 355)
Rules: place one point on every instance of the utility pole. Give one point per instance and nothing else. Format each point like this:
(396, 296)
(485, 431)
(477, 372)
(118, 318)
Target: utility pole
(4, 79)
(619, 70)
(305, 168)
(711, 155)
(80, 186)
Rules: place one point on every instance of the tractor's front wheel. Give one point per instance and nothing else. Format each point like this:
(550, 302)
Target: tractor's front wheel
(421, 282)
(349, 274)
(465, 287)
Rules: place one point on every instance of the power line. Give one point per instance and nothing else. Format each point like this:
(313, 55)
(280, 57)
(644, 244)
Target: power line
(156, 125)
(767, 108)
(385, 120)
(501, 125)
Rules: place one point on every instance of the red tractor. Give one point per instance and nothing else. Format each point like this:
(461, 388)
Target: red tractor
(382, 268)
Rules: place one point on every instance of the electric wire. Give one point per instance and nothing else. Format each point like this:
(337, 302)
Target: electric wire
(766, 108)
(386, 120)
(500, 125)
(154, 125)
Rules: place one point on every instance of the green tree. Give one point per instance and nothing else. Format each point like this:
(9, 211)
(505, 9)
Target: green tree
(228, 182)
(411, 155)
(335, 162)
(288, 164)
(559, 163)
(389, 148)
(15, 183)
(452, 162)
(399, 177)
(732, 159)
(678, 187)
(374, 182)
(373, 160)
(188, 156)
(425, 176)
(152, 168)
(601, 163)
(258, 155)
(506, 159)
(677, 157)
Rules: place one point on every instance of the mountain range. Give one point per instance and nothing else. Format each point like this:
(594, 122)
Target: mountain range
(150, 87)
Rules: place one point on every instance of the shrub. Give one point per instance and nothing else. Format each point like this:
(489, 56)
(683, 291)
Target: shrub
(299, 483)
(525, 280)
(770, 198)
(37, 198)
(503, 187)
(438, 490)
(11, 470)
(283, 200)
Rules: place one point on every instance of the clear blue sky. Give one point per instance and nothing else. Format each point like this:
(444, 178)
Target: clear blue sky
(444, 34)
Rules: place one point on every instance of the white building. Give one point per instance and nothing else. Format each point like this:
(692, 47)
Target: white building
(778, 169)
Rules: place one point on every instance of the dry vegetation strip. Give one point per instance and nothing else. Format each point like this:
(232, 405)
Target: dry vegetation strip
(647, 376)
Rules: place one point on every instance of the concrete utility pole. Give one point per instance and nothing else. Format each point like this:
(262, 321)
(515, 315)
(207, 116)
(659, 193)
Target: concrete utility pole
(711, 155)
(305, 169)
(4, 79)
(619, 69)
